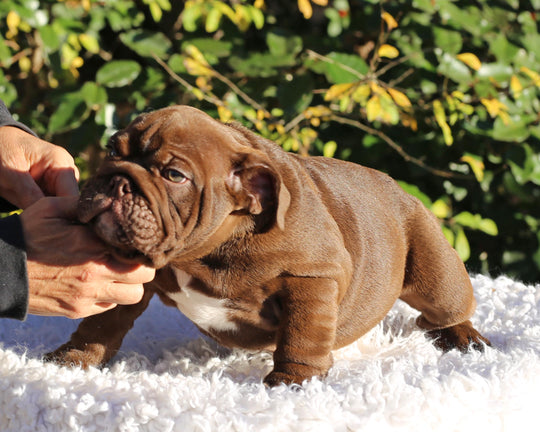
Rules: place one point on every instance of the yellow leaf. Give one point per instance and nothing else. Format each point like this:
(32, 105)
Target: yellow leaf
(532, 75)
(196, 64)
(25, 64)
(77, 62)
(226, 10)
(197, 69)
(389, 20)
(361, 94)
(493, 106)
(515, 86)
(470, 60)
(305, 8)
(440, 117)
(388, 51)
(440, 209)
(225, 114)
(203, 84)
(409, 121)
(13, 20)
(458, 95)
(259, 4)
(476, 165)
(321, 2)
(317, 111)
(337, 90)
(399, 98)
(374, 108)
(193, 51)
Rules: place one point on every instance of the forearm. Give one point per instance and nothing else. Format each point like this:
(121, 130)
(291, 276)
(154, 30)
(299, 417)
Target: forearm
(13, 273)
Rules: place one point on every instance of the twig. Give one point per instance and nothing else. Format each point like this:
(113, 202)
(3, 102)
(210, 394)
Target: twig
(237, 90)
(398, 148)
(186, 84)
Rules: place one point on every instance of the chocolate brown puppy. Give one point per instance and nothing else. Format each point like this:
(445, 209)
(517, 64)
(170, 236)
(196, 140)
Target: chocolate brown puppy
(264, 249)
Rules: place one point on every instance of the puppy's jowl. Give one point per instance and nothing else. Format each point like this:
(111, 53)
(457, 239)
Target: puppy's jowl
(264, 249)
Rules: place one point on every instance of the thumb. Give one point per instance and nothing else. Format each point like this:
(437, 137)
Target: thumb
(66, 182)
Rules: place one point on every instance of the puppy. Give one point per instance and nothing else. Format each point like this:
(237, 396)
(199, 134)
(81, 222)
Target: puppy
(264, 249)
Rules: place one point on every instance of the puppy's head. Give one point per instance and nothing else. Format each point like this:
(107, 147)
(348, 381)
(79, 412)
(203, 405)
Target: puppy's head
(177, 184)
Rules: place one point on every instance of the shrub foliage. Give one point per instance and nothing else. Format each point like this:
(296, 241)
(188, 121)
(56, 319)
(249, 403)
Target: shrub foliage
(442, 95)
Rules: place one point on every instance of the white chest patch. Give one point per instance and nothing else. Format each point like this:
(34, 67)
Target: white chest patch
(205, 311)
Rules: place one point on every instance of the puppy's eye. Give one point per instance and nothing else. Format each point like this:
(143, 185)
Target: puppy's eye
(111, 150)
(174, 175)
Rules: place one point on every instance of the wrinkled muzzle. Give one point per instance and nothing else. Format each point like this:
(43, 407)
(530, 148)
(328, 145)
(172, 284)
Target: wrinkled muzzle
(121, 215)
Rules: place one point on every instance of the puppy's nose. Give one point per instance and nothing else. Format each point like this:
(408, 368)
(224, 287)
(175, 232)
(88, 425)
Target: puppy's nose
(120, 186)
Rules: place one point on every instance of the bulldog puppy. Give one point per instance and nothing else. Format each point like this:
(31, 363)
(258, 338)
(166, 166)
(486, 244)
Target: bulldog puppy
(263, 249)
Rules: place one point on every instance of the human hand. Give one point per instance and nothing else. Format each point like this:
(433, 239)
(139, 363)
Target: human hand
(70, 271)
(31, 168)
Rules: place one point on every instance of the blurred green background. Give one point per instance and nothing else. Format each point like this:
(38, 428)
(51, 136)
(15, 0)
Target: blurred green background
(442, 95)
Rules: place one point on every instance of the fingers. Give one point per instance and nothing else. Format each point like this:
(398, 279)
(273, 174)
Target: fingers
(124, 272)
(124, 294)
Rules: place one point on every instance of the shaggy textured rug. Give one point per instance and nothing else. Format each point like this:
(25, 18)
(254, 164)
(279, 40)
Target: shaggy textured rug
(169, 378)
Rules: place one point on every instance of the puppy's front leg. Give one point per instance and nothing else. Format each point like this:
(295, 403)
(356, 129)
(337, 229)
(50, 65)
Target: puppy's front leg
(307, 331)
(98, 337)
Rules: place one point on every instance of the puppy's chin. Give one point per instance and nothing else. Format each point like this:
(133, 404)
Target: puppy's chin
(112, 233)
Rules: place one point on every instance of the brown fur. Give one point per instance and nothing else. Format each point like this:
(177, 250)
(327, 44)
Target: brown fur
(308, 253)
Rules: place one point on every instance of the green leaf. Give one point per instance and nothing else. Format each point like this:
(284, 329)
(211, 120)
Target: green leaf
(488, 226)
(345, 68)
(118, 73)
(525, 164)
(503, 50)
(212, 20)
(454, 69)
(260, 65)
(329, 149)
(416, 192)
(296, 95)
(283, 44)
(146, 43)
(449, 234)
(516, 131)
(212, 49)
(500, 72)
(449, 41)
(257, 16)
(462, 245)
(476, 222)
(93, 95)
(50, 38)
(70, 113)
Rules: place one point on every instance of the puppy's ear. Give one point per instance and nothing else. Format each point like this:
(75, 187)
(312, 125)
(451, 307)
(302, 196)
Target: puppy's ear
(257, 187)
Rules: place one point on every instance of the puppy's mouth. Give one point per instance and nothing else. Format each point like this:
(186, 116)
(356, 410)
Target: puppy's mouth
(121, 217)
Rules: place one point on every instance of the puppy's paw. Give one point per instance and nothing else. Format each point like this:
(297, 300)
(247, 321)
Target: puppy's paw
(274, 379)
(294, 373)
(460, 336)
(68, 355)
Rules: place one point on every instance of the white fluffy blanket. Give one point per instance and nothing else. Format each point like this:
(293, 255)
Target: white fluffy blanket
(169, 378)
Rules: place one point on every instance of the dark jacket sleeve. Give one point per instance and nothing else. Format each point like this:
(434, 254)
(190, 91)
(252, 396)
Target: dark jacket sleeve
(13, 272)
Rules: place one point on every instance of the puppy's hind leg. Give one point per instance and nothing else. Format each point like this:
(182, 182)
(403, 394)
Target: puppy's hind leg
(437, 284)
